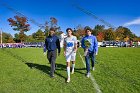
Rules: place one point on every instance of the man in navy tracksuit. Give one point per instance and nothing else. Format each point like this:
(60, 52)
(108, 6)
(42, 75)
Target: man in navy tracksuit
(51, 45)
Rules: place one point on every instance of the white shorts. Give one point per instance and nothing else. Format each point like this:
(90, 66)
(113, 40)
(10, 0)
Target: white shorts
(70, 56)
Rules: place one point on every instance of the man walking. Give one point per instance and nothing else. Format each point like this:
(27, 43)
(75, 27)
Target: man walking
(51, 45)
(90, 45)
(70, 48)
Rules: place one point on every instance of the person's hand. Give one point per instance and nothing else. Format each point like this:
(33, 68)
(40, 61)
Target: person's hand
(44, 53)
(75, 50)
(96, 53)
(64, 53)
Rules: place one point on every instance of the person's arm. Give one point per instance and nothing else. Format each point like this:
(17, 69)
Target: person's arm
(45, 46)
(64, 47)
(58, 45)
(75, 45)
(95, 45)
(82, 43)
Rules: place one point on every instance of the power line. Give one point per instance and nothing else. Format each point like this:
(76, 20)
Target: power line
(22, 15)
(92, 15)
(73, 3)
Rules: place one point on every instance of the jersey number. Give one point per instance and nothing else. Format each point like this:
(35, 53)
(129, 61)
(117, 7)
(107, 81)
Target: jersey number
(69, 44)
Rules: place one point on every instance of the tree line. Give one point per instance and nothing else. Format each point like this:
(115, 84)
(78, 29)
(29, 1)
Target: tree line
(119, 34)
(20, 24)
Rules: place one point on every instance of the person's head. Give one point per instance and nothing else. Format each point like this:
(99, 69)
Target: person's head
(88, 30)
(52, 31)
(69, 31)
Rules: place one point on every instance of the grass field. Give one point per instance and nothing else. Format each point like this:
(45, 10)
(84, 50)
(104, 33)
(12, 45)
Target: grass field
(27, 71)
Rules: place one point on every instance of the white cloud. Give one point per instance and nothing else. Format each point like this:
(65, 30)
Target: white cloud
(133, 22)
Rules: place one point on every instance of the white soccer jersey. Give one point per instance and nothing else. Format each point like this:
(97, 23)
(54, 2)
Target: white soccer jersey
(70, 44)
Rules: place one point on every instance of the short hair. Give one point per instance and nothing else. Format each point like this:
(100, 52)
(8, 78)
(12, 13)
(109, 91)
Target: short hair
(69, 29)
(52, 29)
(87, 28)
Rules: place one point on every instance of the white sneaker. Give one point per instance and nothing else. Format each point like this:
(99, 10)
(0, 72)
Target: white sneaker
(68, 80)
(88, 75)
(93, 68)
(72, 72)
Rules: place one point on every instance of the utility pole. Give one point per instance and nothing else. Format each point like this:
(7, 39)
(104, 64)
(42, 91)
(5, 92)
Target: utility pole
(1, 37)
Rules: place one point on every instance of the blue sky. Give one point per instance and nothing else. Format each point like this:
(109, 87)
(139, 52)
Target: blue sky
(116, 12)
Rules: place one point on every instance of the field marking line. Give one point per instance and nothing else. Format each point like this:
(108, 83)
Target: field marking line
(92, 78)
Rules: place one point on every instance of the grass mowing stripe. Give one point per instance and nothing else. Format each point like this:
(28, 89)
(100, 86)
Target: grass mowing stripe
(15, 55)
(92, 78)
(32, 81)
(117, 71)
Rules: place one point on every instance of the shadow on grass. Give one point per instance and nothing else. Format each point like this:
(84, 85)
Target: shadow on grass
(43, 68)
(63, 67)
(78, 70)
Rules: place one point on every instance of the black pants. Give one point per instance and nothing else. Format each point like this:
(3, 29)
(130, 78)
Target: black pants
(51, 55)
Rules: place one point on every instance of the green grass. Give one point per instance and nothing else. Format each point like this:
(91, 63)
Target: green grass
(27, 71)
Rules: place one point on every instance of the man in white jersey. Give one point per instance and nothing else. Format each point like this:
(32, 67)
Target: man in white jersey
(70, 48)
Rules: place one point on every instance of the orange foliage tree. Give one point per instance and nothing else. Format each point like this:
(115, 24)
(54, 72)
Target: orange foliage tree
(19, 24)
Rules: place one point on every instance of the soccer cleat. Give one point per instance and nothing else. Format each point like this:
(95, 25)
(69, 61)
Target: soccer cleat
(68, 80)
(93, 68)
(88, 75)
(52, 76)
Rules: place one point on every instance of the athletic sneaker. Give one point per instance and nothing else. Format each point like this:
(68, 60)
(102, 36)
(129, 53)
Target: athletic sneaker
(52, 76)
(93, 68)
(88, 74)
(68, 80)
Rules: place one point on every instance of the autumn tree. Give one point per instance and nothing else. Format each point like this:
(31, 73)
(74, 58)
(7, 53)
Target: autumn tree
(51, 23)
(79, 31)
(109, 34)
(19, 24)
(123, 32)
(97, 29)
(100, 36)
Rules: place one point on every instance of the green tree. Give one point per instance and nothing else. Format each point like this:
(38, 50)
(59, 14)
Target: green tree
(39, 35)
(30, 39)
(16, 38)
(109, 34)
(97, 29)
(7, 38)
